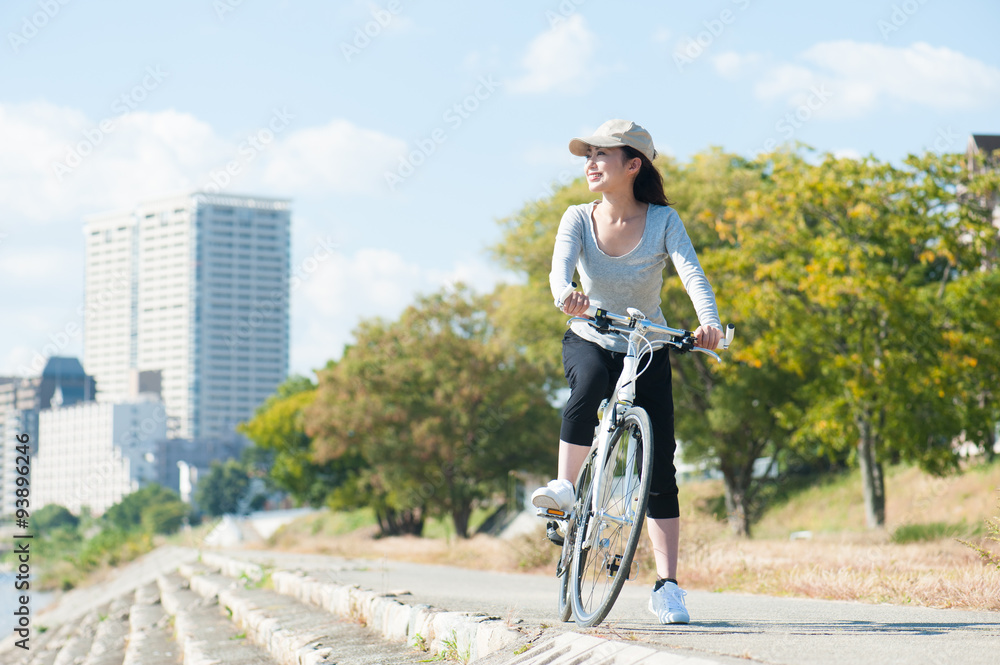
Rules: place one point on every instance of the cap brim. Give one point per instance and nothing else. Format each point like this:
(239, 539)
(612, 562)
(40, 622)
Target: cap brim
(579, 147)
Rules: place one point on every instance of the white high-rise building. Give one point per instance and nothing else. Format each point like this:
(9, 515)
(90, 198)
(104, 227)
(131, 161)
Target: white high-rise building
(93, 453)
(195, 286)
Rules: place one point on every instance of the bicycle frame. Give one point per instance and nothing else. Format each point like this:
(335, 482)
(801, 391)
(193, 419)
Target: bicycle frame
(624, 393)
(616, 474)
(636, 325)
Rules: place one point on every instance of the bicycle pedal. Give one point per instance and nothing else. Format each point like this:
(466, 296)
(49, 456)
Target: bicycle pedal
(552, 533)
(614, 568)
(553, 513)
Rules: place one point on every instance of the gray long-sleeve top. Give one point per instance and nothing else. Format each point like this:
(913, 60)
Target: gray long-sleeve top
(635, 279)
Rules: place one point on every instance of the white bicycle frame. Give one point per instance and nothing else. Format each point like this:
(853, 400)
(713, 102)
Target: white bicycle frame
(636, 325)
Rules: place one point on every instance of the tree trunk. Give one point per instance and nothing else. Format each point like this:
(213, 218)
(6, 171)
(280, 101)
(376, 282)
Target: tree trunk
(737, 484)
(460, 516)
(872, 482)
(392, 522)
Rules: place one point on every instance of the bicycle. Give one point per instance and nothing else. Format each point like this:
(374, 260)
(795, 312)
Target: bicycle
(603, 527)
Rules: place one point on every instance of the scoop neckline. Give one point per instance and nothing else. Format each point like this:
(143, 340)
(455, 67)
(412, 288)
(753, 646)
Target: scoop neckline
(593, 233)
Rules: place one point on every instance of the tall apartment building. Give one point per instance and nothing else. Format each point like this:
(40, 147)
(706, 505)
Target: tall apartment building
(94, 453)
(62, 382)
(195, 286)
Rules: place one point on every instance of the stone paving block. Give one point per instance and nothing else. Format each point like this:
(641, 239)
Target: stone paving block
(150, 639)
(464, 634)
(203, 632)
(294, 633)
(108, 647)
(78, 646)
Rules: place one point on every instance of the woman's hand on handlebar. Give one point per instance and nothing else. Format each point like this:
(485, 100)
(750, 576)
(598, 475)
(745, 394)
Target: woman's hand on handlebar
(576, 304)
(708, 337)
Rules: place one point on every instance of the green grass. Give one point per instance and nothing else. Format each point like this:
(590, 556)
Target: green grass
(442, 527)
(824, 503)
(335, 523)
(920, 506)
(917, 533)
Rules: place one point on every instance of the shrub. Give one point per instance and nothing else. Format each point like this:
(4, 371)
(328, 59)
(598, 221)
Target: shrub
(993, 529)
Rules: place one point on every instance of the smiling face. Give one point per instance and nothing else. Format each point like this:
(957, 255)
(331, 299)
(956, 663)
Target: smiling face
(607, 169)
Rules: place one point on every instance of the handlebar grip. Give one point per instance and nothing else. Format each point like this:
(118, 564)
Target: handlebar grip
(730, 332)
(565, 294)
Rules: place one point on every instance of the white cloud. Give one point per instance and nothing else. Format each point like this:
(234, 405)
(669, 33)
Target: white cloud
(339, 156)
(863, 76)
(560, 60)
(372, 282)
(58, 165)
(145, 155)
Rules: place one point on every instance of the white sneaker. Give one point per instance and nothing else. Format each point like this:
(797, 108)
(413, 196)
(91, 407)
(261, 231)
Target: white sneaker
(557, 495)
(668, 604)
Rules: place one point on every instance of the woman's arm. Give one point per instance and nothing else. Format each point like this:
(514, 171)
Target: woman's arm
(566, 252)
(685, 260)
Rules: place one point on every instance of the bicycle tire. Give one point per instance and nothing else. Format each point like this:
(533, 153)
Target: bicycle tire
(602, 560)
(565, 563)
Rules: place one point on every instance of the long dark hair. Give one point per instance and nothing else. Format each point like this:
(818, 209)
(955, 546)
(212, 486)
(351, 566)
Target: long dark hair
(648, 184)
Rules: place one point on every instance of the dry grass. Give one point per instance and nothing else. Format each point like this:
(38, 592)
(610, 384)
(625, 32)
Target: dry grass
(842, 561)
(865, 568)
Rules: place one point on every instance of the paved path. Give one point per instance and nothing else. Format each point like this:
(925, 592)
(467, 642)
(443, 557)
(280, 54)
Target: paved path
(726, 628)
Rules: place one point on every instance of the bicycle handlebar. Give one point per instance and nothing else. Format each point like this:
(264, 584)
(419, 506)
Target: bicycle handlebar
(603, 320)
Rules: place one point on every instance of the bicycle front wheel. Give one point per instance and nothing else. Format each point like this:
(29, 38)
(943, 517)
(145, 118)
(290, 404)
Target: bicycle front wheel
(609, 523)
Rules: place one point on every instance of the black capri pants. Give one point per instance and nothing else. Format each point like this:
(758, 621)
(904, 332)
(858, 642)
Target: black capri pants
(592, 372)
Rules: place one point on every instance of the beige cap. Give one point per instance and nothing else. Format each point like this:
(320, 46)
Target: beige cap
(615, 134)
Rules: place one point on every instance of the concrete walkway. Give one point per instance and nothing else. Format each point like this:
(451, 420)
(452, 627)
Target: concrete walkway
(238, 607)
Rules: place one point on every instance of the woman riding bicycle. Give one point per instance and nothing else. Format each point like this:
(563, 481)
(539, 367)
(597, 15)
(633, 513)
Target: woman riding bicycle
(620, 245)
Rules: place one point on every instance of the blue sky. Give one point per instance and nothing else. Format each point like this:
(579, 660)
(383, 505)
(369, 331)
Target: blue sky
(467, 106)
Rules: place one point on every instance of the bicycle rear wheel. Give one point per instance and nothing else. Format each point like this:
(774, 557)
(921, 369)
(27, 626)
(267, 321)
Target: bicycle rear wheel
(608, 530)
(566, 556)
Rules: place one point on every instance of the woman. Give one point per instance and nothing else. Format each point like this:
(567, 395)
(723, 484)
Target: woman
(620, 245)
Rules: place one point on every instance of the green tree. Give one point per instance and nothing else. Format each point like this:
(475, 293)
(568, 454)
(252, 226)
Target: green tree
(851, 260)
(52, 517)
(528, 321)
(284, 448)
(736, 413)
(143, 509)
(165, 517)
(222, 489)
(439, 409)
